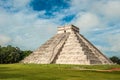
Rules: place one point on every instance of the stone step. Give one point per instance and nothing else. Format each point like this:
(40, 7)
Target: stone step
(44, 53)
(72, 47)
(72, 62)
(70, 44)
(69, 38)
(72, 52)
(72, 41)
(71, 57)
(72, 35)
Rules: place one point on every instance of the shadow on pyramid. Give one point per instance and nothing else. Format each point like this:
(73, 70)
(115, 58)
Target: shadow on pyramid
(67, 47)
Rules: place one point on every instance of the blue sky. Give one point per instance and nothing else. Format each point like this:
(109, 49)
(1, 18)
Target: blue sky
(29, 23)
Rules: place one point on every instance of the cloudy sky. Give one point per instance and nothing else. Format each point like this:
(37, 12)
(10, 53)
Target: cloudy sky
(29, 23)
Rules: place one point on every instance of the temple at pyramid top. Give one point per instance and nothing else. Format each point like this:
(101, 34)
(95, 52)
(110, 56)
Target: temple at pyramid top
(67, 47)
(68, 28)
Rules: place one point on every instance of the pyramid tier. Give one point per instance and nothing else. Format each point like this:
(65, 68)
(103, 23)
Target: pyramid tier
(45, 52)
(67, 47)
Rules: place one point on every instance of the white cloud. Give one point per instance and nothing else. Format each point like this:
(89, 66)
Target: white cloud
(14, 4)
(114, 41)
(4, 39)
(110, 8)
(77, 5)
(25, 28)
(87, 21)
(20, 3)
(108, 41)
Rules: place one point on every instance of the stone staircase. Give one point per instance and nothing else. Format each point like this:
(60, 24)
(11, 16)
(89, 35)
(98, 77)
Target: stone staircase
(72, 52)
(58, 47)
(47, 51)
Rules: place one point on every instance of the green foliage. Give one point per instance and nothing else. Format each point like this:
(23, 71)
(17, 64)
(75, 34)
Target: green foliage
(25, 53)
(56, 72)
(115, 59)
(11, 54)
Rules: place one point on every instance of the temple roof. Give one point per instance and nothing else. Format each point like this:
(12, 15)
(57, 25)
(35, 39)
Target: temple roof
(68, 28)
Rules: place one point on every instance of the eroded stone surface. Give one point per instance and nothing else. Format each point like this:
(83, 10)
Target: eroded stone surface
(67, 47)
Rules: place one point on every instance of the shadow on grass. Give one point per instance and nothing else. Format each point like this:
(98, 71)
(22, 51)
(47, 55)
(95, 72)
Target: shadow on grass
(5, 73)
(6, 69)
(10, 75)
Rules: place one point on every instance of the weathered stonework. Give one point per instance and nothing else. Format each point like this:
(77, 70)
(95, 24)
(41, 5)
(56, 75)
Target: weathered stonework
(67, 47)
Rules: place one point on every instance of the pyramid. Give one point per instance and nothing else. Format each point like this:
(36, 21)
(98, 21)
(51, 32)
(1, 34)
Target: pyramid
(67, 47)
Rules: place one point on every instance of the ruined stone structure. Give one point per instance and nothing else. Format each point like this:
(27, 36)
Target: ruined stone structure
(67, 47)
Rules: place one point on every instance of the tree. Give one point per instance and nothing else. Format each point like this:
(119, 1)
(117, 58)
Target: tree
(25, 53)
(115, 59)
(11, 54)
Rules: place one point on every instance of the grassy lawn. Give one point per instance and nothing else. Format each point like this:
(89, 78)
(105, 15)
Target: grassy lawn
(57, 72)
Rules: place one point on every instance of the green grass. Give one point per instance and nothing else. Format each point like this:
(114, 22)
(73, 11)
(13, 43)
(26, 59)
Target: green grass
(57, 72)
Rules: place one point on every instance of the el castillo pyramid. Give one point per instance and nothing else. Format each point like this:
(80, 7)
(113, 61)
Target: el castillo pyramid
(67, 47)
